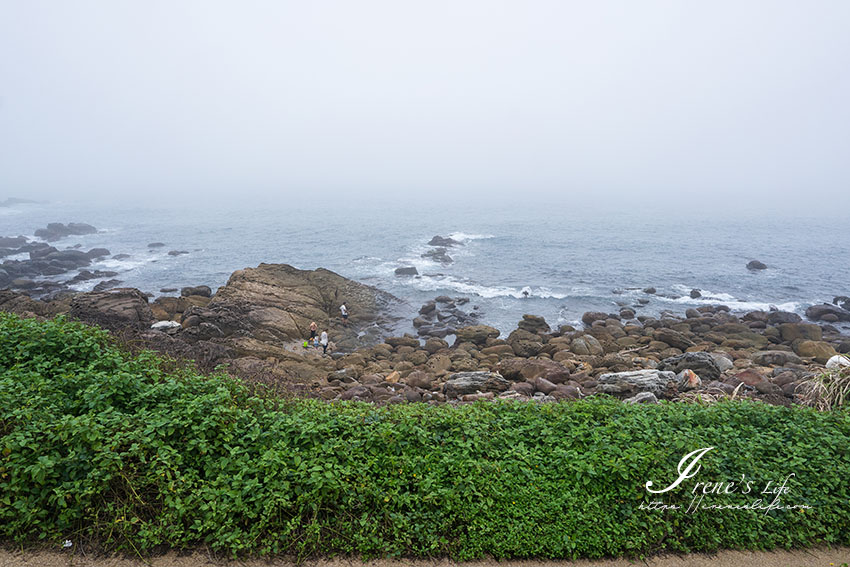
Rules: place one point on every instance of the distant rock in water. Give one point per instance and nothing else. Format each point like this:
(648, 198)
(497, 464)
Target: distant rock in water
(12, 241)
(57, 230)
(12, 201)
(120, 256)
(177, 252)
(407, 271)
(444, 242)
(695, 294)
(756, 265)
(97, 253)
(156, 245)
(438, 255)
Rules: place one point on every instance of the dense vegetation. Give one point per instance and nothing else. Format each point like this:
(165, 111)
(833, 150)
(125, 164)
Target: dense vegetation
(134, 452)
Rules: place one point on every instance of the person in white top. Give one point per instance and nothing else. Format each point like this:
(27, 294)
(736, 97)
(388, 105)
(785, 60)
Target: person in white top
(323, 340)
(344, 311)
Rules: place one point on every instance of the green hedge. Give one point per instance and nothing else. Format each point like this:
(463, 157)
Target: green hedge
(133, 452)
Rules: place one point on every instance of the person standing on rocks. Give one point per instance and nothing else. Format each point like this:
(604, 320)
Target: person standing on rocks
(313, 329)
(344, 310)
(324, 341)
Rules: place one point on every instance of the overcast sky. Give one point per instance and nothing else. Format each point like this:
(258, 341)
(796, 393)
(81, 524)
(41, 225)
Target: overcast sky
(737, 100)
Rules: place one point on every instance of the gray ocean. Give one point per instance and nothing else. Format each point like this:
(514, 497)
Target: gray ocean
(525, 257)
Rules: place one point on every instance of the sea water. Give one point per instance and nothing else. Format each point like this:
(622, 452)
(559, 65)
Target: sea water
(554, 261)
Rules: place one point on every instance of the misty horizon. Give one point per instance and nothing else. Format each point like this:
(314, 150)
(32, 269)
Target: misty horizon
(732, 104)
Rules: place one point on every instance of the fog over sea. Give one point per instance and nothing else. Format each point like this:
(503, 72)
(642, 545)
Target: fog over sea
(569, 260)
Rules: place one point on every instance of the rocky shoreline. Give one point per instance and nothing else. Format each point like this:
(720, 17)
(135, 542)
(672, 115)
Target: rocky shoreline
(256, 322)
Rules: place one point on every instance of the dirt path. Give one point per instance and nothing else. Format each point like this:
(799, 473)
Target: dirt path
(799, 558)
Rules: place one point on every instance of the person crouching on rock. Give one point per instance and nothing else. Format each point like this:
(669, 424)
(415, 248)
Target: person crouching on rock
(313, 328)
(324, 341)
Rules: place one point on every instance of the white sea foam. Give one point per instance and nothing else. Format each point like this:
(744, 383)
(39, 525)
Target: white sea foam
(710, 297)
(435, 283)
(465, 237)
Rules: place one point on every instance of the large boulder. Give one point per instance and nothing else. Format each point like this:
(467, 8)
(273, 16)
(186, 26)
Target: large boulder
(700, 362)
(826, 312)
(462, 383)
(586, 345)
(818, 350)
(115, 309)
(779, 317)
(274, 303)
(632, 382)
(775, 358)
(808, 331)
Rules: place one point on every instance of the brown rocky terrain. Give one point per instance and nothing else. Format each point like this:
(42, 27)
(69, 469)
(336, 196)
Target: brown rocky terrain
(256, 322)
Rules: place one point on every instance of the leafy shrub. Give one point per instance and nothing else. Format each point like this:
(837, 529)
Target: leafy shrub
(129, 452)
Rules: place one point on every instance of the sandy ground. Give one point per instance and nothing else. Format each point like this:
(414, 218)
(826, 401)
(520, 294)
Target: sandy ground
(800, 558)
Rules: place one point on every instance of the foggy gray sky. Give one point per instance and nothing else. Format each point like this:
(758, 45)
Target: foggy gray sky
(595, 100)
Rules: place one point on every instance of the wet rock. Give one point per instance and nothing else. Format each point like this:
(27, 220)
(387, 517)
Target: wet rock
(438, 255)
(695, 294)
(820, 312)
(756, 265)
(591, 316)
(96, 253)
(462, 383)
(649, 290)
(156, 245)
(120, 256)
(407, 271)
(57, 230)
(779, 317)
(442, 241)
(177, 252)
(12, 241)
